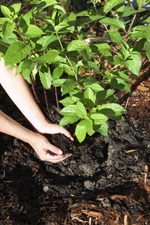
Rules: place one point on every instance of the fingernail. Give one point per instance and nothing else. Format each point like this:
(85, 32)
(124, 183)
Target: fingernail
(60, 152)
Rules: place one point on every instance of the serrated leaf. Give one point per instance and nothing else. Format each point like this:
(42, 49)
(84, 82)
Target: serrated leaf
(11, 39)
(6, 12)
(76, 45)
(44, 41)
(7, 29)
(58, 82)
(69, 110)
(130, 11)
(80, 130)
(61, 25)
(113, 22)
(133, 63)
(48, 57)
(16, 52)
(69, 100)
(99, 118)
(111, 4)
(26, 69)
(68, 120)
(57, 72)
(32, 31)
(89, 98)
(15, 8)
(81, 110)
(69, 85)
(114, 35)
(103, 129)
(45, 76)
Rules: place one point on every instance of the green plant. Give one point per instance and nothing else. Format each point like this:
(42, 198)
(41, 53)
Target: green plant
(50, 40)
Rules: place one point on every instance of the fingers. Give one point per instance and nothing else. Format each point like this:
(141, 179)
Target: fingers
(55, 158)
(54, 129)
(66, 133)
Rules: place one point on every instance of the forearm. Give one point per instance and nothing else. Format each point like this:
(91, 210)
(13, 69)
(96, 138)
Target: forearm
(18, 90)
(12, 128)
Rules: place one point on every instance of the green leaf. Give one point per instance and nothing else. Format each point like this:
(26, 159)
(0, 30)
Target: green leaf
(61, 25)
(80, 130)
(114, 35)
(89, 125)
(26, 69)
(11, 39)
(76, 45)
(91, 65)
(16, 52)
(130, 11)
(122, 76)
(32, 31)
(6, 12)
(7, 29)
(68, 120)
(44, 41)
(69, 85)
(48, 57)
(15, 8)
(57, 72)
(111, 4)
(147, 49)
(45, 3)
(69, 110)
(45, 76)
(89, 98)
(18, 69)
(58, 82)
(99, 118)
(81, 110)
(69, 100)
(111, 109)
(103, 94)
(113, 21)
(100, 47)
(133, 63)
(119, 84)
(103, 129)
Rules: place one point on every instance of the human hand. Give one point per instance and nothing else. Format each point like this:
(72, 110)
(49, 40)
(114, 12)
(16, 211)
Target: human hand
(41, 146)
(50, 128)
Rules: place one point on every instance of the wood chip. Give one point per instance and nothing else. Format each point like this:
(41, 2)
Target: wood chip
(130, 151)
(92, 213)
(142, 88)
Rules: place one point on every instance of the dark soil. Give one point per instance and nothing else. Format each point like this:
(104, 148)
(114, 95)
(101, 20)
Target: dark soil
(105, 181)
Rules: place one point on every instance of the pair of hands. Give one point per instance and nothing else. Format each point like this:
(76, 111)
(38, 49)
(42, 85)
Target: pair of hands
(41, 145)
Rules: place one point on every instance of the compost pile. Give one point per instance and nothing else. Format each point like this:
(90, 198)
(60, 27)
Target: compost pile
(105, 181)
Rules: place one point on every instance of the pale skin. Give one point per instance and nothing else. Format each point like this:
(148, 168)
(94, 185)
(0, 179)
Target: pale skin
(18, 90)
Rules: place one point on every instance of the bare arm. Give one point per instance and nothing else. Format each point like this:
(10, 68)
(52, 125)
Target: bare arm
(19, 92)
(39, 143)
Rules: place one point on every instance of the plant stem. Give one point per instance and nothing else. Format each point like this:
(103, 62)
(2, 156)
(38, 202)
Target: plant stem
(67, 56)
(63, 7)
(47, 105)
